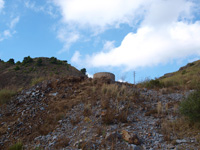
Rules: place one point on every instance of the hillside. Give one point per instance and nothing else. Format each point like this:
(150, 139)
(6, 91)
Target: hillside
(75, 112)
(22, 74)
(80, 113)
(187, 76)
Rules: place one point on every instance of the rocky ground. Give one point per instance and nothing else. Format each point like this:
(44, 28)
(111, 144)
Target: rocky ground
(77, 113)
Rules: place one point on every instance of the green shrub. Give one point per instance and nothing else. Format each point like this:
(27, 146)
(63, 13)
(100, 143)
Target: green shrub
(191, 64)
(6, 95)
(18, 63)
(17, 146)
(183, 72)
(11, 61)
(39, 62)
(154, 84)
(1, 61)
(190, 107)
(27, 60)
(16, 68)
(83, 71)
(53, 60)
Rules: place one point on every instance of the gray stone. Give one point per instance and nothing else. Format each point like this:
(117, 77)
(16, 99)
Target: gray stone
(135, 147)
(42, 108)
(181, 141)
(54, 94)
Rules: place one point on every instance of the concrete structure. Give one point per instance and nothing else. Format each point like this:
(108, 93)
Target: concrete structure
(107, 75)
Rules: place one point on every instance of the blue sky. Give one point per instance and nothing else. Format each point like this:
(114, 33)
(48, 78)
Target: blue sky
(151, 37)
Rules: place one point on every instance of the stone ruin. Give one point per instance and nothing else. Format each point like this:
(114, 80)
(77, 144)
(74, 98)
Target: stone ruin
(106, 75)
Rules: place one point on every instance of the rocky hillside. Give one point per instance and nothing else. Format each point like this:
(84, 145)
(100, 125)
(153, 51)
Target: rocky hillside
(79, 113)
(21, 74)
(187, 76)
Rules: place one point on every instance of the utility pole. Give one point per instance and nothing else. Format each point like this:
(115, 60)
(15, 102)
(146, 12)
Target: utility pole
(134, 76)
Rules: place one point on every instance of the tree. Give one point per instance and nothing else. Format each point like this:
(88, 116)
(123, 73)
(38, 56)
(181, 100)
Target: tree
(53, 60)
(39, 62)
(1, 61)
(83, 71)
(11, 61)
(18, 63)
(27, 60)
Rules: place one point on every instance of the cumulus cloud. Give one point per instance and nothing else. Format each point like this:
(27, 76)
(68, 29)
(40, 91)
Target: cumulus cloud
(99, 13)
(168, 31)
(1, 5)
(151, 46)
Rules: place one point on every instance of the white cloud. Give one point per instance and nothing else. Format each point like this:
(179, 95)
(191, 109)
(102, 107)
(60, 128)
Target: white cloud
(14, 22)
(68, 38)
(10, 31)
(1, 4)
(100, 13)
(32, 5)
(152, 46)
(7, 34)
(108, 45)
(89, 75)
(76, 57)
(167, 31)
(46, 8)
(164, 12)
(95, 15)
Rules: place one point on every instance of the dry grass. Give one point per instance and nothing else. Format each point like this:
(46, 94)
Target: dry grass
(36, 81)
(100, 131)
(166, 108)
(122, 117)
(151, 112)
(62, 142)
(180, 128)
(75, 121)
(109, 117)
(6, 95)
(87, 112)
(159, 108)
(110, 90)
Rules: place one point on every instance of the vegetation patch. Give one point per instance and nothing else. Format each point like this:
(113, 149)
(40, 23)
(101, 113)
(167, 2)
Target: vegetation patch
(17, 68)
(17, 146)
(36, 81)
(6, 95)
(152, 83)
(27, 60)
(39, 62)
(190, 107)
(11, 61)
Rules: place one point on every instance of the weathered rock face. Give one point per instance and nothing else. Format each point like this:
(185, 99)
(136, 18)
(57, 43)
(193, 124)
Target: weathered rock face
(104, 75)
